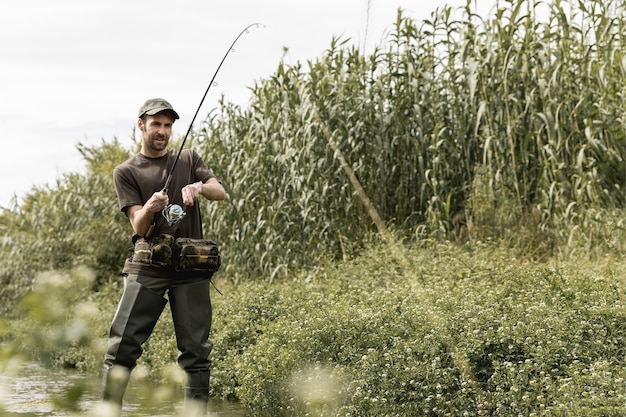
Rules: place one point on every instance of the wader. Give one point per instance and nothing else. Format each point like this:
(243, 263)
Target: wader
(139, 309)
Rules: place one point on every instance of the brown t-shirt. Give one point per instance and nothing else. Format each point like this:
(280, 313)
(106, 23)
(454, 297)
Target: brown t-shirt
(140, 176)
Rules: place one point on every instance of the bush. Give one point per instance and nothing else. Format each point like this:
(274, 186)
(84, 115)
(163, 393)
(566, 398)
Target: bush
(365, 339)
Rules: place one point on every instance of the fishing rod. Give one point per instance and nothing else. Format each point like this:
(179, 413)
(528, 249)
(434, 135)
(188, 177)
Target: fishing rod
(230, 49)
(173, 212)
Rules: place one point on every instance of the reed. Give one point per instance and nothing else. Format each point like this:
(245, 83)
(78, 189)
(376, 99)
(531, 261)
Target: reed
(509, 127)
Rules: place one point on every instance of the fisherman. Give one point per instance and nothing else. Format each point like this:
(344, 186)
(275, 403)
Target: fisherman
(158, 267)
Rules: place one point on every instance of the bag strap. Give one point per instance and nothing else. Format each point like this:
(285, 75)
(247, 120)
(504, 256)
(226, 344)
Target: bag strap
(190, 166)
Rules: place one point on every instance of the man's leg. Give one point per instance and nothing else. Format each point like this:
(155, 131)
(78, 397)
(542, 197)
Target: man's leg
(137, 314)
(192, 315)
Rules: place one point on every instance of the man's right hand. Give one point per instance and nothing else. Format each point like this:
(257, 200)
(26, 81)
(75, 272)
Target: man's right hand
(157, 202)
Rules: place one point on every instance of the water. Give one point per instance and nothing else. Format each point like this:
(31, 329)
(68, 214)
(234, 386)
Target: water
(33, 391)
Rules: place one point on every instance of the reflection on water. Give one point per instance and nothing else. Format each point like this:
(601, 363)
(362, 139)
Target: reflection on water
(33, 391)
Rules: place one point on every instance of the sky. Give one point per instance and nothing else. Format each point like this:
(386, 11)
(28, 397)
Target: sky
(75, 71)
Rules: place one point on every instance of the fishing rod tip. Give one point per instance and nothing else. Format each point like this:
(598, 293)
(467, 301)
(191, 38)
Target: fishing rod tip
(254, 26)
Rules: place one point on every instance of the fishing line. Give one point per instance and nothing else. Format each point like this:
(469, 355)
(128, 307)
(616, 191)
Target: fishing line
(173, 213)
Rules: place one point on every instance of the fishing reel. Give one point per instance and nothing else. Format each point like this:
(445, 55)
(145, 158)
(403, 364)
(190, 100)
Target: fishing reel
(173, 213)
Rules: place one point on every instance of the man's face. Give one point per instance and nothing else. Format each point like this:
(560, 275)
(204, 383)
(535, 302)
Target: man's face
(156, 132)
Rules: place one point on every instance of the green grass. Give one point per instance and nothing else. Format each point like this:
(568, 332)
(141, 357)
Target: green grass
(367, 337)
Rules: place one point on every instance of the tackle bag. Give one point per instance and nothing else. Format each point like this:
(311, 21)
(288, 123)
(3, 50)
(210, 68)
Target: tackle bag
(156, 251)
(196, 255)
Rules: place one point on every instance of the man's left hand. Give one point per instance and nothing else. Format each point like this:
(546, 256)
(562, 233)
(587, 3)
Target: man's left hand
(191, 192)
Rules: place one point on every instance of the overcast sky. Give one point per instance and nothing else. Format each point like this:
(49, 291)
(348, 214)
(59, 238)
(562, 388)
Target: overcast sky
(77, 71)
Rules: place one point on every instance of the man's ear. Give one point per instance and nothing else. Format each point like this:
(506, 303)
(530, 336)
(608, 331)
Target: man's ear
(140, 124)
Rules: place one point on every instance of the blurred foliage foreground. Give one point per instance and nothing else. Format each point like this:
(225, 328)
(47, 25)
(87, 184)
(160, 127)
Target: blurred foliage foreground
(449, 331)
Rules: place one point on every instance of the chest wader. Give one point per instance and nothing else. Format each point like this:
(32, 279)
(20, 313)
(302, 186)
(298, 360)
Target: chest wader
(137, 314)
(192, 315)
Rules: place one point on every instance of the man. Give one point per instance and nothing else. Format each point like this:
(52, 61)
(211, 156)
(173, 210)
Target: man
(151, 272)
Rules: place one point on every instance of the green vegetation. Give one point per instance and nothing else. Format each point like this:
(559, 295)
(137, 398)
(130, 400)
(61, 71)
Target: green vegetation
(541, 340)
(368, 337)
(434, 229)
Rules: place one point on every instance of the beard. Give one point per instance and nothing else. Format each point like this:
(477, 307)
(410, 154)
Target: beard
(157, 142)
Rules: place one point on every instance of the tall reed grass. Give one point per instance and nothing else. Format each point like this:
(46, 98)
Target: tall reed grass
(457, 128)
(509, 127)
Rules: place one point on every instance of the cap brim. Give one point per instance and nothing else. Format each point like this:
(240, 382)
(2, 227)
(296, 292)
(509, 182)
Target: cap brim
(152, 112)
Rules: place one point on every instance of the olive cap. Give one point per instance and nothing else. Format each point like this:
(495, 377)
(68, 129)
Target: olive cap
(157, 105)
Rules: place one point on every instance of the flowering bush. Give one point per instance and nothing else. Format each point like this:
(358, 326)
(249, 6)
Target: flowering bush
(368, 339)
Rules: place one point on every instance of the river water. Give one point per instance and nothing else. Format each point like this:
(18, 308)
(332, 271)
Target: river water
(33, 390)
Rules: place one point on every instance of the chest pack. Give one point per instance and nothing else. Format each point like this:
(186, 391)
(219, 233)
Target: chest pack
(184, 254)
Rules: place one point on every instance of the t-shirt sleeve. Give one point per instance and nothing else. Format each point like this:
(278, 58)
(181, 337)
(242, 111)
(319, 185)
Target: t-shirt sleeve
(128, 193)
(201, 171)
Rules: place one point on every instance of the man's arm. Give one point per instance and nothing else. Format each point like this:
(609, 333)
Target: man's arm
(211, 190)
(141, 216)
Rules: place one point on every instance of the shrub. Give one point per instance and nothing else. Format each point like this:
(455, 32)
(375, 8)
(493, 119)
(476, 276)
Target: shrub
(363, 338)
